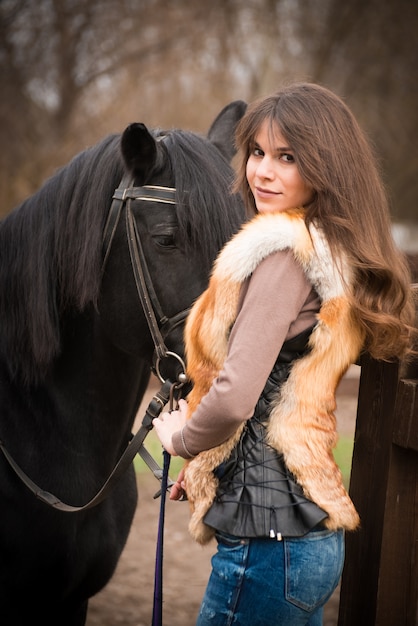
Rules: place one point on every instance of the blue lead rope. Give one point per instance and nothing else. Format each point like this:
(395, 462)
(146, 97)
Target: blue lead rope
(157, 613)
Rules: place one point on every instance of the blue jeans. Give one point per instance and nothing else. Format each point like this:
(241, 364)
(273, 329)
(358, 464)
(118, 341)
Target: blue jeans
(264, 582)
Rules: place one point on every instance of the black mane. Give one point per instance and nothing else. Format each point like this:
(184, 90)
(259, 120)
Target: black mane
(204, 196)
(50, 249)
(51, 245)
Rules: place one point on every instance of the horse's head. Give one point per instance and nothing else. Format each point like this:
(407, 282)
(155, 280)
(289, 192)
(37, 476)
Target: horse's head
(54, 264)
(172, 213)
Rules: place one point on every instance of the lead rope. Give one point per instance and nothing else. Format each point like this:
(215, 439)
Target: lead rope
(157, 612)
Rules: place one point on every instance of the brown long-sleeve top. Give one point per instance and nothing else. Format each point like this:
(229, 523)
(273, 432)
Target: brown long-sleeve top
(276, 303)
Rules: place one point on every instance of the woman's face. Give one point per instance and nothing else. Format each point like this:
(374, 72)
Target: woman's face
(272, 174)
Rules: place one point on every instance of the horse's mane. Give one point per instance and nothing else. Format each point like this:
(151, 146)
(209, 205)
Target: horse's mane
(203, 181)
(50, 256)
(51, 245)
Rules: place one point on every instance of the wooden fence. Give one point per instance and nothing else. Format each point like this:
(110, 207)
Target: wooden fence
(380, 580)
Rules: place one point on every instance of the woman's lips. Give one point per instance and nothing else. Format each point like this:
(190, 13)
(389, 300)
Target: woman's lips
(266, 193)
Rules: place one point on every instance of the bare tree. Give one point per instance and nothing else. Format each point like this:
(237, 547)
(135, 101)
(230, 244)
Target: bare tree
(369, 52)
(72, 71)
(68, 64)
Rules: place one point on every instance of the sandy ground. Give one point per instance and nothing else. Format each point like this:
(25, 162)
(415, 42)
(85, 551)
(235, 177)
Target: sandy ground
(128, 598)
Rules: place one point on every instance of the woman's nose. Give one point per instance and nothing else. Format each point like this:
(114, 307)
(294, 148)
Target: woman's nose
(264, 169)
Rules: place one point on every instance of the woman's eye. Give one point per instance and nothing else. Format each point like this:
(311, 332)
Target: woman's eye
(258, 152)
(287, 157)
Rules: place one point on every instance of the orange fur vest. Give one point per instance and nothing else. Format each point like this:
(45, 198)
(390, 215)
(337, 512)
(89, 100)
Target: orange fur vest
(302, 423)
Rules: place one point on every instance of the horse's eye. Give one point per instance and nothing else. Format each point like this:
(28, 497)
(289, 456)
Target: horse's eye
(165, 240)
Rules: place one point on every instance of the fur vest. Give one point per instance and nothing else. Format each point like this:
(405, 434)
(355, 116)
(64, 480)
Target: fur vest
(302, 423)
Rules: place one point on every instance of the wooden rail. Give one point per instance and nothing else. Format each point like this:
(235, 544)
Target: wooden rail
(380, 579)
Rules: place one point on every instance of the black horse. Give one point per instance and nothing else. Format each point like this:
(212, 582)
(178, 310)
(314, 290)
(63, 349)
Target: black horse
(76, 347)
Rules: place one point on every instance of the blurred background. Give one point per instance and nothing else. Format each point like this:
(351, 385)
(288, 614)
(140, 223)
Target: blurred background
(74, 71)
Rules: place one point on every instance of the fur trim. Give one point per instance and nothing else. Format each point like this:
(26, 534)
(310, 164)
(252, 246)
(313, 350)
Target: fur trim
(302, 424)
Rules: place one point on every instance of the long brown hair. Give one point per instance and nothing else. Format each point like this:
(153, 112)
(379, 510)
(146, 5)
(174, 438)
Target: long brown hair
(350, 204)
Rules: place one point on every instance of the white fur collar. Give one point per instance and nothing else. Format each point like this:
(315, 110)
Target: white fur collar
(270, 232)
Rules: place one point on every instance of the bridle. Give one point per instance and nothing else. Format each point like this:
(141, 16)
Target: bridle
(159, 325)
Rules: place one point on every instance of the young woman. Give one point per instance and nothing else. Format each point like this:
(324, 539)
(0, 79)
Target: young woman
(311, 280)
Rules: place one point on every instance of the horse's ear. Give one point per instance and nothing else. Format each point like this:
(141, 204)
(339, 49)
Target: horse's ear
(222, 131)
(139, 151)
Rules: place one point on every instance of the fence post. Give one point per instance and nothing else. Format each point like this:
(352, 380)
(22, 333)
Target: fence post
(380, 579)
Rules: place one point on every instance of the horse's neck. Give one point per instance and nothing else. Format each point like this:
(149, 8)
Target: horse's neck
(101, 382)
(87, 405)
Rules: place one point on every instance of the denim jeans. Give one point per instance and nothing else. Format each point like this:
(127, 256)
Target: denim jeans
(264, 582)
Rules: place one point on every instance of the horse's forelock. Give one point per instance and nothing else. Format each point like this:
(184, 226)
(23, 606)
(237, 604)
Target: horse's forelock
(208, 213)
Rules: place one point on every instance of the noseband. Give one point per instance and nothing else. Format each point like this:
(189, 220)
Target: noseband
(159, 324)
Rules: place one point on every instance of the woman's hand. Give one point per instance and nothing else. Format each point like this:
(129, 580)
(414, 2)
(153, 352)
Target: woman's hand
(168, 424)
(178, 490)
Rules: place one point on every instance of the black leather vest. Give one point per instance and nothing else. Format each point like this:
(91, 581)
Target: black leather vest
(257, 495)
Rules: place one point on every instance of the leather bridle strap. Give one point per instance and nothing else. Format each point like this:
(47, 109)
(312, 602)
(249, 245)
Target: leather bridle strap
(158, 322)
(113, 218)
(125, 191)
(149, 304)
(135, 445)
(139, 269)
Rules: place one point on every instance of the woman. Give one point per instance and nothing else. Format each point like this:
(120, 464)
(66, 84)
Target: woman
(311, 280)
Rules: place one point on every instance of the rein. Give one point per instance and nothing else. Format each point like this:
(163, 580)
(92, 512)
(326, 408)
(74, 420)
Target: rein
(158, 328)
(151, 308)
(134, 447)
